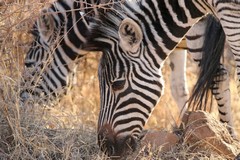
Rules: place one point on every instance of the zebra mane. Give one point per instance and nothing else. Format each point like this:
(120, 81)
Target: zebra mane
(106, 26)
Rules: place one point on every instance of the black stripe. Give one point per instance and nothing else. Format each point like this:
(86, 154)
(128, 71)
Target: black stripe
(195, 37)
(133, 127)
(44, 81)
(195, 13)
(65, 6)
(62, 81)
(127, 120)
(150, 35)
(228, 20)
(56, 64)
(233, 10)
(148, 52)
(223, 121)
(133, 101)
(62, 60)
(179, 11)
(68, 51)
(50, 77)
(171, 24)
(222, 113)
(192, 50)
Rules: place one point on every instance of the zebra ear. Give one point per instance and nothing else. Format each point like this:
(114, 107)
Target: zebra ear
(45, 24)
(130, 35)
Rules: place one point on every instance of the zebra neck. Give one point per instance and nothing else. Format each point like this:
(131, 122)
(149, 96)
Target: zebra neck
(165, 22)
(71, 24)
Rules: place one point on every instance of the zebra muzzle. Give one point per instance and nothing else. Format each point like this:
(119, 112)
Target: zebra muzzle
(113, 145)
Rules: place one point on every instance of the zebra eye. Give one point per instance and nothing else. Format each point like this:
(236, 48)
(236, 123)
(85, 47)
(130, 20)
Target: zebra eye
(118, 85)
(29, 64)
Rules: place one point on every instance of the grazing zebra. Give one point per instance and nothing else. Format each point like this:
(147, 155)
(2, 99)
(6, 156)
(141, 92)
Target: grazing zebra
(136, 38)
(51, 62)
(59, 34)
(50, 71)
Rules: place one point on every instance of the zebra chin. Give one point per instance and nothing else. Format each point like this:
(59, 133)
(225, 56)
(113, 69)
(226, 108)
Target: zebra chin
(116, 146)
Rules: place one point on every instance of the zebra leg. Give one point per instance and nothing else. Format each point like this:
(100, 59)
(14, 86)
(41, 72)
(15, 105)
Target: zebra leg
(179, 87)
(229, 19)
(221, 92)
(220, 87)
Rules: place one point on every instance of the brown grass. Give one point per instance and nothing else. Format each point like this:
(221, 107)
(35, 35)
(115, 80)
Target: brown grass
(68, 130)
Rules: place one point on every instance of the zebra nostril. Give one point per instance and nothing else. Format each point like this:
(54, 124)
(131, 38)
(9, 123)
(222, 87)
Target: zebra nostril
(106, 139)
(114, 145)
(131, 143)
(24, 95)
(111, 150)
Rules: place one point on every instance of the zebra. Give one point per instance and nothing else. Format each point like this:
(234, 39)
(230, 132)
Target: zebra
(52, 59)
(136, 37)
(41, 79)
(51, 64)
(51, 74)
(193, 43)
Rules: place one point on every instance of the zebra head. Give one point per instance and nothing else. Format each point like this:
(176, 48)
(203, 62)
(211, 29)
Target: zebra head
(40, 53)
(44, 32)
(51, 61)
(130, 83)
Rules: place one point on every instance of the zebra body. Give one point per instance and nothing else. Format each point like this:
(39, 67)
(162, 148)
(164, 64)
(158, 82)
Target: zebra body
(136, 38)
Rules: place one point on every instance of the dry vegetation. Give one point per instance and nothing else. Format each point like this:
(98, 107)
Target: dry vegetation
(67, 131)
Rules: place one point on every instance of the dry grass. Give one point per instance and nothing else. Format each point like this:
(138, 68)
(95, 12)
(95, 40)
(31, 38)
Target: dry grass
(67, 131)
